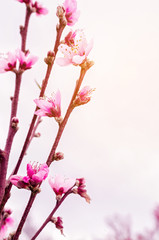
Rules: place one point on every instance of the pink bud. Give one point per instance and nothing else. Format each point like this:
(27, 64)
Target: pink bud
(80, 183)
(15, 122)
(58, 223)
(58, 156)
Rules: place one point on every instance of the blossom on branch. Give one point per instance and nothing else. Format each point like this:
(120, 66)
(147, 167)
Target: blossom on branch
(18, 61)
(61, 185)
(75, 49)
(8, 62)
(50, 107)
(71, 12)
(6, 221)
(25, 60)
(35, 175)
(38, 9)
(35, 7)
(83, 96)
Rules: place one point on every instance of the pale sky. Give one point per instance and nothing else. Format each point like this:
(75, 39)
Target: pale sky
(113, 141)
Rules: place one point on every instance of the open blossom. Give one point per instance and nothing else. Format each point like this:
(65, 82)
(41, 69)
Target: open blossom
(71, 12)
(8, 62)
(17, 61)
(35, 175)
(50, 107)
(61, 185)
(75, 49)
(83, 96)
(37, 7)
(6, 222)
(25, 60)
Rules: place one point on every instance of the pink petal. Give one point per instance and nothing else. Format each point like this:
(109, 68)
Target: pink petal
(89, 47)
(30, 170)
(58, 98)
(63, 61)
(43, 104)
(40, 113)
(14, 179)
(77, 59)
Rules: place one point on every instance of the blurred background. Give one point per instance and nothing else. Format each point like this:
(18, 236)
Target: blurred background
(113, 141)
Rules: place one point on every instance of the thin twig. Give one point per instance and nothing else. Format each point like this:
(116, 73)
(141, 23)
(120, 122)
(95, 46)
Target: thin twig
(12, 130)
(25, 214)
(69, 110)
(48, 219)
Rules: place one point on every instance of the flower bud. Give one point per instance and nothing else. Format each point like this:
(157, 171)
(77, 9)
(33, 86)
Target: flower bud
(58, 156)
(15, 122)
(60, 12)
(59, 120)
(61, 15)
(50, 57)
(80, 183)
(58, 223)
(37, 134)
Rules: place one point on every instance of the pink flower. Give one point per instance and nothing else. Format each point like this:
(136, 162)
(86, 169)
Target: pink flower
(25, 60)
(83, 96)
(6, 222)
(75, 49)
(35, 175)
(81, 189)
(20, 182)
(24, 1)
(61, 185)
(50, 107)
(71, 12)
(9, 63)
(37, 7)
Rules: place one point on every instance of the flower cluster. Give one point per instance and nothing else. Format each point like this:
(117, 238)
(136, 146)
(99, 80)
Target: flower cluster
(35, 175)
(75, 49)
(17, 61)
